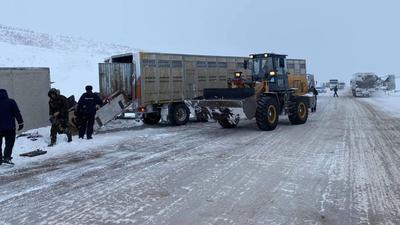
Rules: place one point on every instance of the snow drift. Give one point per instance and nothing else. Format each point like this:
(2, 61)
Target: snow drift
(73, 62)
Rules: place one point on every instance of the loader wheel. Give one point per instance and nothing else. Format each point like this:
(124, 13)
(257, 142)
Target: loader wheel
(298, 113)
(228, 123)
(178, 114)
(267, 115)
(151, 118)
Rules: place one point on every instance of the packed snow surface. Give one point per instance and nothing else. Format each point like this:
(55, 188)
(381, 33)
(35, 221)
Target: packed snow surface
(341, 167)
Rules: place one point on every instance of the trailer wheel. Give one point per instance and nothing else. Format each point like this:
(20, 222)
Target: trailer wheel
(267, 115)
(151, 118)
(179, 114)
(229, 123)
(298, 113)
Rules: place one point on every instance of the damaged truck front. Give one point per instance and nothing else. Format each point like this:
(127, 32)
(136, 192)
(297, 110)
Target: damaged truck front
(160, 85)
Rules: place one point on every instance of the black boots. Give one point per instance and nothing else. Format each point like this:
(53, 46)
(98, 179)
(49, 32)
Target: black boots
(7, 161)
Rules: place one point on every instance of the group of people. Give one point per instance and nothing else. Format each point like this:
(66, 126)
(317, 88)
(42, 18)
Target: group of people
(59, 118)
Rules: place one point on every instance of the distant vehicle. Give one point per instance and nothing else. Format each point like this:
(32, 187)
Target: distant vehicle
(341, 85)
(333, 83)
(388, 82)
(364, 84)
(321, 89)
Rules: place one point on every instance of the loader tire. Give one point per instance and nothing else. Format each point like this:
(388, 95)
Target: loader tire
(298, 113)
(178, 114)
(227, 123)
(151, 118)
(267, 114)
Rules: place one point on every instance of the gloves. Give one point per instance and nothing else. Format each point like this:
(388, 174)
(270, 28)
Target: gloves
(20, 126)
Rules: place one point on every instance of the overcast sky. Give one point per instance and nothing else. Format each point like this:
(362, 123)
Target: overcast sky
(336, 37)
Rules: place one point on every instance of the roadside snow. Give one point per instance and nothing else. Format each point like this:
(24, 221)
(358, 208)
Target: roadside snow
(388, 103)
(24, 144)
(120, 124)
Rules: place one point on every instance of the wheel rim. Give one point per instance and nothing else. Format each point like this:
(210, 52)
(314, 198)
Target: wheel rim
(181, 114)
(302, 110)
(271, 114)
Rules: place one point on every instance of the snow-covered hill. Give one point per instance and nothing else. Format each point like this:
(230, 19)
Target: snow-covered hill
(73, 62)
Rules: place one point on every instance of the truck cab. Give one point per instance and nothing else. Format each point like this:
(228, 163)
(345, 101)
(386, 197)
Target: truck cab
(270, 67)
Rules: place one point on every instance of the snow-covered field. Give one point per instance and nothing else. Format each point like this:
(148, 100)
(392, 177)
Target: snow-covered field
(73, 62)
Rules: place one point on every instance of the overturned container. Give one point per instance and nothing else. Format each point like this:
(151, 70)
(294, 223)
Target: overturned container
(29, 87)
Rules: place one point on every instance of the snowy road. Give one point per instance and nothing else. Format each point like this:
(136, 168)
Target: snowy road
(342, 167)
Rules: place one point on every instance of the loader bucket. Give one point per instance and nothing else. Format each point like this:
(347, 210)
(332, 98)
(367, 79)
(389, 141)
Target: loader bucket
(219, 101)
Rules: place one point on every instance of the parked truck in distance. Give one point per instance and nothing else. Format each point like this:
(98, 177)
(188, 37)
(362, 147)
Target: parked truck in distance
(159, 84)
(363, 84)
(342, 85)
(333, 83)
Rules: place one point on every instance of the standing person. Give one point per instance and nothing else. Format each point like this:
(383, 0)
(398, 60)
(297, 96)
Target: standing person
(87, 105)
(9, 112)
(315, 93)
(58, 111)
(335, 89)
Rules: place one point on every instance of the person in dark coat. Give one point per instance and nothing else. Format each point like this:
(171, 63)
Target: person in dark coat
(58, 111)
(335, 89)
(315, 93)
(9, 112)
(86, 111)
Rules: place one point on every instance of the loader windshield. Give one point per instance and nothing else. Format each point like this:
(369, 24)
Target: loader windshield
(261, 68)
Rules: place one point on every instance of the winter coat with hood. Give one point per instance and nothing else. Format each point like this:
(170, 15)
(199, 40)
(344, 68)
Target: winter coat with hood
(58, 104)
(9, 112)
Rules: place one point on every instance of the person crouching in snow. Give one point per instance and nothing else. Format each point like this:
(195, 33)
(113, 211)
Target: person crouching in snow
(58, 111)
(9, 112)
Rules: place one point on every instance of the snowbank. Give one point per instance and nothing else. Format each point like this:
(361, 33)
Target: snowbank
(389, 103)
(24, 144)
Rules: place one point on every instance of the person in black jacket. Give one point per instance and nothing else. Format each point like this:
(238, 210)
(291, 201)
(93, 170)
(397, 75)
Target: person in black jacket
(315, 93)
(335, 89)
(86, 111)
(58, 111)
(9, 112)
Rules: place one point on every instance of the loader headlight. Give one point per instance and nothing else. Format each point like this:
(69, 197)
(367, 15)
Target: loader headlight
(266, 55)
(272, 73)
(251, 56)
(238, 74)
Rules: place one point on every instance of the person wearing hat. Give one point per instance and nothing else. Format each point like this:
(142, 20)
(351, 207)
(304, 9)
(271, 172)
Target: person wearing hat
(58, 111)
(9, 112)
(86, 112)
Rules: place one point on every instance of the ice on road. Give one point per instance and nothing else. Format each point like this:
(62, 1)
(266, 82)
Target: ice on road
(341, 167)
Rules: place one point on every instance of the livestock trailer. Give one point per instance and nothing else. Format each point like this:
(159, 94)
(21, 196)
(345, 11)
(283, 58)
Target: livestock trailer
(160, 84)
(296, 66)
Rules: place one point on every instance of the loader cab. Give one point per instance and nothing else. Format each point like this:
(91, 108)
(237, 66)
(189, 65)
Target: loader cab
(270, 67)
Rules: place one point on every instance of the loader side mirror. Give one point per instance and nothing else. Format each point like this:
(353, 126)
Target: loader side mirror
(246, 64)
